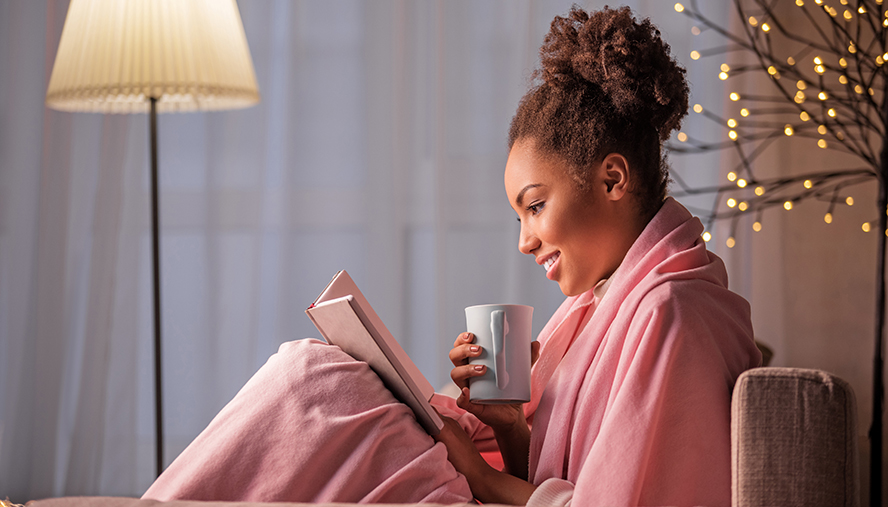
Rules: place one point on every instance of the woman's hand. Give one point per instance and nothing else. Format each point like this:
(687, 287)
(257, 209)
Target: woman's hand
(487, 484)
(498, 417)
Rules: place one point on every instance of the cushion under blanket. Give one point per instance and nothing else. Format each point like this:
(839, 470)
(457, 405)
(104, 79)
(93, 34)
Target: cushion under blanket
(313, 425)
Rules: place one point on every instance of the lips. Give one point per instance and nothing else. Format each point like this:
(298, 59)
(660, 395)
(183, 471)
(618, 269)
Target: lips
(550, 261)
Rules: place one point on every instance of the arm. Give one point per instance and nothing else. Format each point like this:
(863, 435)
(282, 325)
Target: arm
(488, 485)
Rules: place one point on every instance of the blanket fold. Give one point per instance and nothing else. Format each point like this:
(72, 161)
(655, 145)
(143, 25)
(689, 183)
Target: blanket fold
(313, 425)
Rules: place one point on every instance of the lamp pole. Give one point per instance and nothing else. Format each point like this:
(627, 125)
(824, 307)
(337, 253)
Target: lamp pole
(155, 257)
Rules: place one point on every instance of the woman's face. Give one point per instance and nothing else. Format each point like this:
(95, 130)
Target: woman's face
(578, 237)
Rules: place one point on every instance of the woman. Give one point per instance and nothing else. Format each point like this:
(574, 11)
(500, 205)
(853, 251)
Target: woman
(631, 390)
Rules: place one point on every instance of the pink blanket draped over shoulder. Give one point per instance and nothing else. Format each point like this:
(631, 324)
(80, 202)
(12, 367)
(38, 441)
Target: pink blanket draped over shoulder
(313, 425)
(631, 394)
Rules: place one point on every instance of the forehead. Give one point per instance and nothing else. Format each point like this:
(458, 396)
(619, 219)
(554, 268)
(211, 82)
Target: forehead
(526, 167)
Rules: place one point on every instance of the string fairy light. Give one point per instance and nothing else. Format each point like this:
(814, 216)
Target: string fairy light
(839, 110)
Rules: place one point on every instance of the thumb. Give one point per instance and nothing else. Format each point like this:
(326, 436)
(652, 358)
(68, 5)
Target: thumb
(534, 352)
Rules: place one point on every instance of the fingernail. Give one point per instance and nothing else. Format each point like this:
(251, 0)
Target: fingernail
(479, 367)
(468, 337)
(474, 348)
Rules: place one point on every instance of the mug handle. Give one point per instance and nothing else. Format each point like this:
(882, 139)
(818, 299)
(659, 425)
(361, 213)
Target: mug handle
(499, 328)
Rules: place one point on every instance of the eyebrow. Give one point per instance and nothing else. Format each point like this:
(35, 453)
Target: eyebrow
(520, 196)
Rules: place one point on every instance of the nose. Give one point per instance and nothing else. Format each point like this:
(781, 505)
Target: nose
(527, 240)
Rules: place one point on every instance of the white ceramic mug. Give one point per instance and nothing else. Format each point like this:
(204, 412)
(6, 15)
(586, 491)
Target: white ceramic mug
(504, 333)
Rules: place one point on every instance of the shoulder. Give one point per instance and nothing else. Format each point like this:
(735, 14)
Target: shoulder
(700, 319)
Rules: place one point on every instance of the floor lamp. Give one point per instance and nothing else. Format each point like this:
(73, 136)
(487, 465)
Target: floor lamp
(152, 56)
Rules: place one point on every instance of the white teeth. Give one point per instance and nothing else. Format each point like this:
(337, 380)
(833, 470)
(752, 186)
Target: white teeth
(550, 261)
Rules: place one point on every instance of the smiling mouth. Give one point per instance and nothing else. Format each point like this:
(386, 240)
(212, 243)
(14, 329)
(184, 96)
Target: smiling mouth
(551, 260)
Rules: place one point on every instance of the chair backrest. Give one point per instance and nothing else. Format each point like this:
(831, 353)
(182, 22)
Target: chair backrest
(793, 439)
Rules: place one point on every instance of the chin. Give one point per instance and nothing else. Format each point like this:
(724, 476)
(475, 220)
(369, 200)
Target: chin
(570, 291)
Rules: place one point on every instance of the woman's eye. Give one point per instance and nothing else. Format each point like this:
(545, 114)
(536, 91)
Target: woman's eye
(536, 207)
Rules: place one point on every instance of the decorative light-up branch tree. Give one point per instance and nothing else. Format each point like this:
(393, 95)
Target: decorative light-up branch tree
(827, 63)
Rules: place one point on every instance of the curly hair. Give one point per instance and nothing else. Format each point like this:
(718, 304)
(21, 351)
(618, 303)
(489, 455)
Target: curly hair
(607, 84)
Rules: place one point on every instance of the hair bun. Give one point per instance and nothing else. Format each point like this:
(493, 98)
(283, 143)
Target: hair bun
(624, 61)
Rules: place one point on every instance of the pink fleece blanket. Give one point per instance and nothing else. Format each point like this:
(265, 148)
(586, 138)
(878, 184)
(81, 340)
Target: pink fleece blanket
(313, 425)
(631, 394)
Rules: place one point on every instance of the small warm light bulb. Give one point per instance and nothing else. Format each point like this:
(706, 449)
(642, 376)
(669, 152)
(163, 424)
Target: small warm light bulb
(861, 10)
(820, 69)
(851, 48)
(724, 68)
(787, 205)
(732, 176)
(744, 112)
(732, 202)
(730, 242)
(732, 134)
(799, 97)
(843, 79)
(695, 55)
(800, 3)
(698, 108)
(743, 206)
(843, 62)
(801, 85)
(847, 14)
(695, 30)
(753, 21)
(831, 112)
(757, 226)
(872, 92)
(772, 70)
(682, 137)
(821, 130)
(840, 136)
(821, 143)
(734, 96)
(790, 60)
(723, 75)
(741, 183)
(865, 227)
(879, 60)
(707, 236)
(858, 89)
(822, 96)
(804, 116)
(827, 218)
(679, 8)
(787, 129)
(849, 201)
(732, 122)
(817, 60)
(808, 184)
(766, 27)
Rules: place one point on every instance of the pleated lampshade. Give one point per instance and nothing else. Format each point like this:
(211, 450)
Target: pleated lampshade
(189, 54)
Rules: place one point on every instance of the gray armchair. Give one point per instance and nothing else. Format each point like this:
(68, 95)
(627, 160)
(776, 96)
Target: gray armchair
(794, 439)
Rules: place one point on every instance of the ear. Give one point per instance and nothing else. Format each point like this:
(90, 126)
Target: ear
(615, 172)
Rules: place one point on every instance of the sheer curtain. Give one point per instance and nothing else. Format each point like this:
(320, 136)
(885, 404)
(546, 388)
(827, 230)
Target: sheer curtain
(378, 147)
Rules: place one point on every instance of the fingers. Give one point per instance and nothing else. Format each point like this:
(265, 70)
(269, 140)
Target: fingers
(461, 374)
(463, 349)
